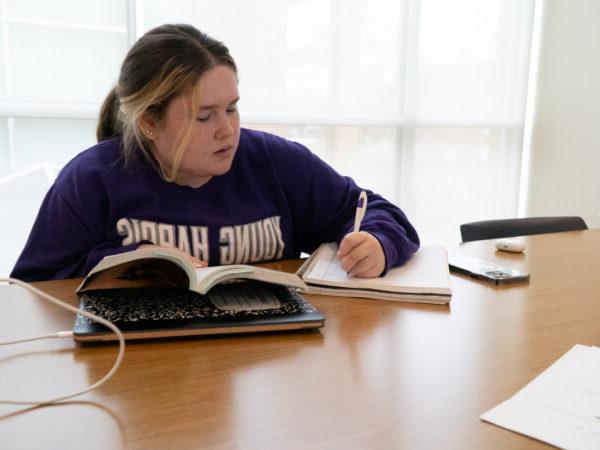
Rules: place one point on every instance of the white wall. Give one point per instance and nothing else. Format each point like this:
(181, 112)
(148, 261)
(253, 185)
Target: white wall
(564, 176)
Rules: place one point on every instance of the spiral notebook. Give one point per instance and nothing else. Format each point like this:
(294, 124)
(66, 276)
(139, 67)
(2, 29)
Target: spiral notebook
(244, 307)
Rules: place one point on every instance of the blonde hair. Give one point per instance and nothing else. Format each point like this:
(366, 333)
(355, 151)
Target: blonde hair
(159, 67)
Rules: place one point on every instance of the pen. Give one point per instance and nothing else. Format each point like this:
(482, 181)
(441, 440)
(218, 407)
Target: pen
(361, 207)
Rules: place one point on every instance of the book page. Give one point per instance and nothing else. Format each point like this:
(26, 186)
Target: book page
(140, 273)
(207, 277)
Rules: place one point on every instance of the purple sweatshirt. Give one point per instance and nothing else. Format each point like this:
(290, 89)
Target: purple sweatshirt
(277, 200)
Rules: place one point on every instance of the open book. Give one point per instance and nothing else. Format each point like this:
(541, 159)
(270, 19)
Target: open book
(424, 278)
(167, 267)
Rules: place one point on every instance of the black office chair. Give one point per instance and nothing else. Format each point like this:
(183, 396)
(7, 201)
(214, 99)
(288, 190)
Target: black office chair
(493, 229)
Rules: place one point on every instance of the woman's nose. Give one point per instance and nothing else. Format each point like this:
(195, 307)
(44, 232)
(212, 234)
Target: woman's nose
(225, 128)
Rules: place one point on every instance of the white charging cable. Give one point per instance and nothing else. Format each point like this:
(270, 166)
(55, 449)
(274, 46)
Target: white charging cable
(62, 334)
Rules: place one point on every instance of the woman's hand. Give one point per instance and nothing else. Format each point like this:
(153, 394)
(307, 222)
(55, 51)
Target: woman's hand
(361, 255)
(195, 261)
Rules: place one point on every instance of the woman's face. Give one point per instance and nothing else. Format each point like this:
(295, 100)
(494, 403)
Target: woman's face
(214, 134)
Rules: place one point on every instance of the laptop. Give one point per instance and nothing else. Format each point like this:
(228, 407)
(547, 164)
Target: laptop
(239, 307)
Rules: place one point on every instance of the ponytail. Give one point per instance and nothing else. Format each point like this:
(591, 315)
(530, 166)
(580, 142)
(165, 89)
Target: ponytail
(108, 122)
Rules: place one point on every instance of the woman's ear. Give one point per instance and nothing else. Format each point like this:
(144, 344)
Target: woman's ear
(148, 127)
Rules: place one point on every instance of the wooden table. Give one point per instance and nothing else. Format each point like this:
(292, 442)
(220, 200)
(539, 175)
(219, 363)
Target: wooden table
(379, 375)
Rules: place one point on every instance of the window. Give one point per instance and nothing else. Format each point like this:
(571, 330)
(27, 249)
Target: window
(58, 60)
(422, 101)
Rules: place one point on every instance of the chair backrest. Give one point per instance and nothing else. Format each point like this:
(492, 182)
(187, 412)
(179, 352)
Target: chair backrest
(493, 229)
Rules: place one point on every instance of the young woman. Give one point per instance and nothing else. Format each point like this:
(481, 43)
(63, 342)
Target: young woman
(173, 168)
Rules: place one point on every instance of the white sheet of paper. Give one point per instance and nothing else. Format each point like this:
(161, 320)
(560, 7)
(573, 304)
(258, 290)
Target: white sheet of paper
(561, 406)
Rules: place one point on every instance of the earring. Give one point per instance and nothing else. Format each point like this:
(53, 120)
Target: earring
(149, 132)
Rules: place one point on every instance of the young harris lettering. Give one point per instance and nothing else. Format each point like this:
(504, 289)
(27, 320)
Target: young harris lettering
(238, 244)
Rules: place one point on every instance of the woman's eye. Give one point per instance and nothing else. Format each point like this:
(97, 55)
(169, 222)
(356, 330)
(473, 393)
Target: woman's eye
(203, 119)
(231, 110)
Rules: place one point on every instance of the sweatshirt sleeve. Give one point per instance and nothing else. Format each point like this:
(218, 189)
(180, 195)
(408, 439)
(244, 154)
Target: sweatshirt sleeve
(63, 243)
(323, 205)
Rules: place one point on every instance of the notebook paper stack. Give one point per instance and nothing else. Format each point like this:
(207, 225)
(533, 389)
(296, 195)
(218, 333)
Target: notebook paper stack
(424, 278)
